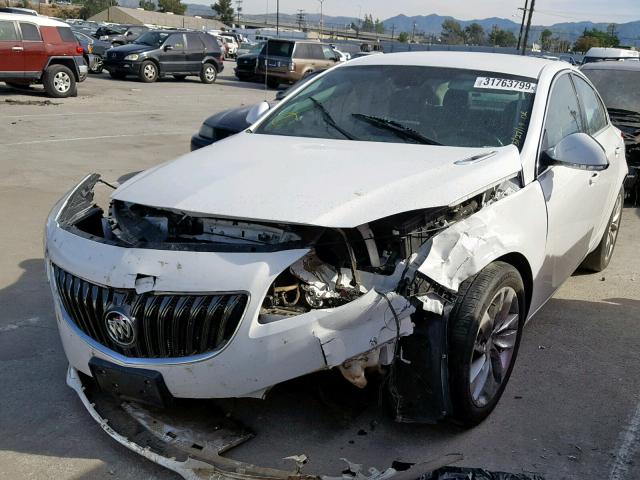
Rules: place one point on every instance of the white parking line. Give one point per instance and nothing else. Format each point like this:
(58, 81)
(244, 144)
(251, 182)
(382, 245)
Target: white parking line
(627, 447)
(102, 137)
(70, 114)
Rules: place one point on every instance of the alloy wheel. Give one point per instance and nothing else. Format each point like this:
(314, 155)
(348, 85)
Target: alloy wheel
(614, 227)
(494, 346)
(149, 71)
(62, 82)
(209, 73)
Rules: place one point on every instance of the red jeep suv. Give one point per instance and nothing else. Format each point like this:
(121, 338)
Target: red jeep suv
(36, 49)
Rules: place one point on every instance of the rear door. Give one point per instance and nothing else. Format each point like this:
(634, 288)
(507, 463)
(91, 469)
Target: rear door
(173, 58)
(35, 55)
(194, 52)
(11, 51)
(330, 57)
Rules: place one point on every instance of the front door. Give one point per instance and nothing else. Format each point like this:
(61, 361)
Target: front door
(573, 200)
(11, 51)
(172, 59)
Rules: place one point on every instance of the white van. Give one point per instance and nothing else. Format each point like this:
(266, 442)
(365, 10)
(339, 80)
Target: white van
(598, 54)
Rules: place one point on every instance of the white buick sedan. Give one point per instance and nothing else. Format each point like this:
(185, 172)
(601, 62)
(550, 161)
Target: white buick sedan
(399, 218)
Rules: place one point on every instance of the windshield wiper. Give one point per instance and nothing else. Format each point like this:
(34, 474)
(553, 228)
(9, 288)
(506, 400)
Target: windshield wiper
(397, 128)
(329, 119)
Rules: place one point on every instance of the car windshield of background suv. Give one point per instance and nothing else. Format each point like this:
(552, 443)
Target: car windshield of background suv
(618, 88)
(409, 104)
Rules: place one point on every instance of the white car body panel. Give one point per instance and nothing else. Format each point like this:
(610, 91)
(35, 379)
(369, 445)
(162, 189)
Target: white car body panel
(230, 185)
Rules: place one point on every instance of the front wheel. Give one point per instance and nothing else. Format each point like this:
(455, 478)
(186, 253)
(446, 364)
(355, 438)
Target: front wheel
(599, 259)
(59, 81)
(208, 73)
(97, 66)
(148, 72)
(485, 330)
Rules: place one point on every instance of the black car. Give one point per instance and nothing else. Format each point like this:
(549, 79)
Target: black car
(96, 48)
(246, 64)
(159, 53)
(618, 83)
(120, 34)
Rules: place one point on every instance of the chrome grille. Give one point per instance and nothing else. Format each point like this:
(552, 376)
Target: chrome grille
(167, 325)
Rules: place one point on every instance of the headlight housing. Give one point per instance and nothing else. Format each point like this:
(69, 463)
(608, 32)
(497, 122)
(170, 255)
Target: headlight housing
(132, 57)
(206, 132)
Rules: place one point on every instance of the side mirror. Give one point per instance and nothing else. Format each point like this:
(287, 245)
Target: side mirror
(256, 112)
(168, 48)
(578, 150)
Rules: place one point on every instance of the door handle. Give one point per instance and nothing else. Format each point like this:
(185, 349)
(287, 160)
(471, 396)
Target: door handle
(618, 150)
(594, 178)
(17, 49)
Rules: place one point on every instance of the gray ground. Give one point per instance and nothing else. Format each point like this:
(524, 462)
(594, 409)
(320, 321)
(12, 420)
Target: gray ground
(570, 410)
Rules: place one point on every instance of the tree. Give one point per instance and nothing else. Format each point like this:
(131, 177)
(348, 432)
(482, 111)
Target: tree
(585, 43)
(173, 6)
(545, 39)
(502, 38)
(93, 7)
(403, 37)
(368, 25)
(148, 5)
(378, 26)
(474, 34)
(452, 33)
(224, 11)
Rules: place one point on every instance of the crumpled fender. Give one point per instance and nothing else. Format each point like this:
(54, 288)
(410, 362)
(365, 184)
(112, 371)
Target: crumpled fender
(514, 224)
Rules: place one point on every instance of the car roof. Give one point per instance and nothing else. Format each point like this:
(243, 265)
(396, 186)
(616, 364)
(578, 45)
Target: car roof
(493, 62)
(38, 20)
(611, 52)
(633, 65)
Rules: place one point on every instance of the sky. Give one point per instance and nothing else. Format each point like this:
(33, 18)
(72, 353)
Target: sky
(547, 11)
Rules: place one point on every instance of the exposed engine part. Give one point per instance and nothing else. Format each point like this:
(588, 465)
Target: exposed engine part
(355, 368)
(369, 241)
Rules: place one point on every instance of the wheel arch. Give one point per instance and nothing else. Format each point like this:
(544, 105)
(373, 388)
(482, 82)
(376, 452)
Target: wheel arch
(521, 264)
(68, 62)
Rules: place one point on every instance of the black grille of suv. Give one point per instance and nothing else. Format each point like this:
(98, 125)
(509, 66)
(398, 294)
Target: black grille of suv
(165, 325)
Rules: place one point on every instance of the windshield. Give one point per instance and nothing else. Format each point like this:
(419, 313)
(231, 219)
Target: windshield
(409, 104)
(618, 88)
(153, 39)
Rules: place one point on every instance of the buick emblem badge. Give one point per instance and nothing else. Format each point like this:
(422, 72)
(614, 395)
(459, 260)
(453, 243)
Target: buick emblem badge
(120, 328)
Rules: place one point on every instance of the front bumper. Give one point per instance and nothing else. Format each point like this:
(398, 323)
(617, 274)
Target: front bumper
(121, 67)
(83, 68)
(258, 356)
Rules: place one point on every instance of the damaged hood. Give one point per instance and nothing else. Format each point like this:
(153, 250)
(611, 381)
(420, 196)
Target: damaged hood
(331, 183)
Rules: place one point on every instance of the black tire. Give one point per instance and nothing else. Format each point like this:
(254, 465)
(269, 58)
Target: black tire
(148, 72)
(59, 82)
(273, 82)
(98, 66)
(117, 75)
(180, 77)
(599, 259)
(471, 357)
(208, 73)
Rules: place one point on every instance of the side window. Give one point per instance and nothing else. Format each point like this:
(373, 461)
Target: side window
(316, 52)
(302, 51)
(66, 34)
(329, 54)
(594, 114)
(7, 32)
(176, 41)
(30, 32)
(563, 113)
(194, 42)
(210, 42)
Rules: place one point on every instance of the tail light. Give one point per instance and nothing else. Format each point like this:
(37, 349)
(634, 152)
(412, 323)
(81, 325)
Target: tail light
(79, 49)
(292, 66)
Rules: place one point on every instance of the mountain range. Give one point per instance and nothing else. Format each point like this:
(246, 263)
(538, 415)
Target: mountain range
(629, 33)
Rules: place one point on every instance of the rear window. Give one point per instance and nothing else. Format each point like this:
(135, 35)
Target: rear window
(277, 48)
(30, 32)
(66, 34)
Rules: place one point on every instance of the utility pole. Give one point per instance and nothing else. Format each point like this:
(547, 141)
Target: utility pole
(321, 18)
(277, 18)
(239, 9)
(526, 32)
(413, 33)
(393, 30)
(524, 16)
(300, 17)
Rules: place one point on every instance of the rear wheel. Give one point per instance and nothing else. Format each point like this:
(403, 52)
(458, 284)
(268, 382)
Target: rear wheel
(59, 81)
(599, 259)
(148, 72)
(485, 329)
(208, 73)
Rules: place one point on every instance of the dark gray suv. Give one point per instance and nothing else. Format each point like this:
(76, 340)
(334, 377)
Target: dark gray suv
(159, 53)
